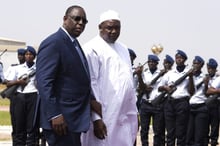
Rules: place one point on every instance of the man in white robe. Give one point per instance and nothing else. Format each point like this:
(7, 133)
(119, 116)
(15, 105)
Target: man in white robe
(112, 84)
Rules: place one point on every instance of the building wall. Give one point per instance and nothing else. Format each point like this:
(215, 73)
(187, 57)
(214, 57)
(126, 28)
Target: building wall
(8, 51)
(8, 58)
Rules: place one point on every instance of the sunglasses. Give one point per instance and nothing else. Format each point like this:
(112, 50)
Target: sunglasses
(79, 18)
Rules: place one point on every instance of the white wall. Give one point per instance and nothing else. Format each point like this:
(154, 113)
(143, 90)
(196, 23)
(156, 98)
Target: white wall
(8, 58)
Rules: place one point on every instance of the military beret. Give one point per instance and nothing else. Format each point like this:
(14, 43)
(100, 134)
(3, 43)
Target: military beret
(169, 59)
(132, 53)
(199, 59)
(21, 51)
(212, 63)
(31, 49)
(153, 58)
(181, 53)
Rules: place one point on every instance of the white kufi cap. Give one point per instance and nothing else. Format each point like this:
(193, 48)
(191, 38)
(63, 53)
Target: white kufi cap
(109, 15)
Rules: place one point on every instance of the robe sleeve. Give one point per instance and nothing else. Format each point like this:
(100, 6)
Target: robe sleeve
(94, 68)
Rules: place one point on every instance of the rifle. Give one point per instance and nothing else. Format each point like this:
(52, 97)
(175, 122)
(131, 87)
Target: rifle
(162, 72)
(3, 52)
(0, 57)
(161, 97)
(200, 84)
(10, 91)
(140, 65)
(211, 99)
(141, 92)
(154, 80)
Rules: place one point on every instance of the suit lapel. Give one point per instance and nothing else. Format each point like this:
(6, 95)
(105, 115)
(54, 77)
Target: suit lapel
(73, 50)
(78, 48)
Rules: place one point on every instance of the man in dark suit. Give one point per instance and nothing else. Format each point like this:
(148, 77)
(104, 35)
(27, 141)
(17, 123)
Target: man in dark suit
(64, 83)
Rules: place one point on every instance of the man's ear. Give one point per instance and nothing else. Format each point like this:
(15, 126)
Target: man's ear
(65, 17)
(100, 27)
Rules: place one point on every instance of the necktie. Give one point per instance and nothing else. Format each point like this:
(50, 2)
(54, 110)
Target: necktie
(82, 57)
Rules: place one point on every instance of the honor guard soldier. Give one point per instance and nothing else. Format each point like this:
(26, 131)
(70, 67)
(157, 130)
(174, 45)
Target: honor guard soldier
(21, 60)
(23, 102)
(198, 119)
(21, 56)
(148, 82)
(178, 84)
(167, 64)
(7, 74)
(133, 56)
(213, 87)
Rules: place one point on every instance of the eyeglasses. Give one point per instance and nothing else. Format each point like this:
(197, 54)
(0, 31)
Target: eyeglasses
(79, 18)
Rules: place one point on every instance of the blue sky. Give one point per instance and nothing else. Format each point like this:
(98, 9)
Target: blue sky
(189, 25)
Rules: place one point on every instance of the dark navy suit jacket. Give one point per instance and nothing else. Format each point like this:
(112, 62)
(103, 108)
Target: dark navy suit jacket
(63, 83)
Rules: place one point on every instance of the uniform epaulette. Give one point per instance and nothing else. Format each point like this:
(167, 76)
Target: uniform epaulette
(14, 64)
(145, 69)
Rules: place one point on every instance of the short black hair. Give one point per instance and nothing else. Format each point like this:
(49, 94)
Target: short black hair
(69, 10)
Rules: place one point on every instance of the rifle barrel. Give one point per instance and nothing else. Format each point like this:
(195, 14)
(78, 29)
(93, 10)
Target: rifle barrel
(3, 52)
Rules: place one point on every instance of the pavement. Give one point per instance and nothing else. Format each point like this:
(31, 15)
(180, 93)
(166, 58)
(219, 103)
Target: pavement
(5, 133)
(5, 136)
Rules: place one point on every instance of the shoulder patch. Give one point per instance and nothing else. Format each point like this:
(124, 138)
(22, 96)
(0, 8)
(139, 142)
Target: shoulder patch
(14, 64)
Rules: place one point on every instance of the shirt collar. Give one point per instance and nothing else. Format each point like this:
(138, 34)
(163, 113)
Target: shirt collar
(25, 65)
(71, 38)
